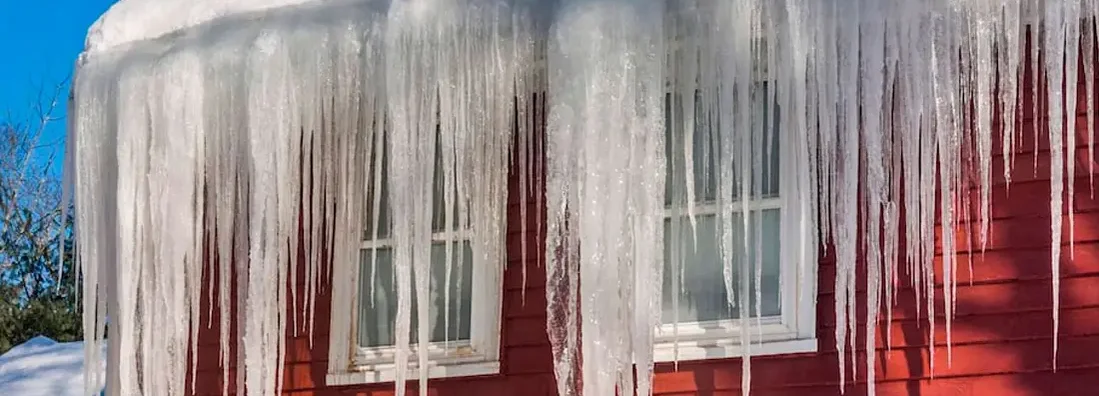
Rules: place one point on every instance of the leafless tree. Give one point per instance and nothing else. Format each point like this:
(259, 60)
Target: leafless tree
(30, 199)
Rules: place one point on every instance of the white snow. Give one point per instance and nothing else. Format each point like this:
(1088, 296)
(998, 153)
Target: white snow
(43, 367)
(129, 21)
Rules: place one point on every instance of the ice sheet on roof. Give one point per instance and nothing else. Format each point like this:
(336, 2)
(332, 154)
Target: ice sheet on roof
(135, 20)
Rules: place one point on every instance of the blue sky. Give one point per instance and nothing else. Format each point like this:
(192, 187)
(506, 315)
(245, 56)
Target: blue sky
(39, 42)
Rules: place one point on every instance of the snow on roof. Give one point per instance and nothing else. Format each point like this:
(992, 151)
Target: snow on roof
(130, 21)
(42, 367)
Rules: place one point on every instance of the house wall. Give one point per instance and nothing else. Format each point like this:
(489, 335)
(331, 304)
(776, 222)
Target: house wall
(1002, 332)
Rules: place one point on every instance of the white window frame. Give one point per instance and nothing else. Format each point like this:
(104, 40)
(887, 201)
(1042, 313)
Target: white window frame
(794, 330)
(480, 355)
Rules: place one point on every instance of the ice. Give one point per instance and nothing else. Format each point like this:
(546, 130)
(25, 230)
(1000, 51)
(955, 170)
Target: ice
(129, 21)
(605, 178)
(985, 19)
(1087, 49)
(874, 193)
(412, 43)
(1054, 71)
(1009, 53)
(1037, 107)
(201, 115)
(1070, 65)
(214, 141)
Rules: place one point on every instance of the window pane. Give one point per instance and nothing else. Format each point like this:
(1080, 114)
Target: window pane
(440, 196)
(706, 153)
(703, 296)
(377, 180)
(377, 320)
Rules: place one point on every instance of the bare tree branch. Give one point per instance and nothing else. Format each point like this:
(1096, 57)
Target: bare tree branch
(29, 188)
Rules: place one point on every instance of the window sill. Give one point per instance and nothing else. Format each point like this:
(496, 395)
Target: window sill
(387, 372)
(727, 349)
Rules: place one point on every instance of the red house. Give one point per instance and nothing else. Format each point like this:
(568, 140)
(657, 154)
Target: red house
(1001, 340)
(491, 325)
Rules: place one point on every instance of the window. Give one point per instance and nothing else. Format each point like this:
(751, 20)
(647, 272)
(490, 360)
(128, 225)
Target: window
(463, 306)
(700, 316)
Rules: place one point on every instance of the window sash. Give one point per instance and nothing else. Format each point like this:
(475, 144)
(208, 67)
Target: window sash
(793, 329)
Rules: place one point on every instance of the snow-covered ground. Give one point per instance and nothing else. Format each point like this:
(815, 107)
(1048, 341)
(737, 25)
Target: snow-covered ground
(44, 367)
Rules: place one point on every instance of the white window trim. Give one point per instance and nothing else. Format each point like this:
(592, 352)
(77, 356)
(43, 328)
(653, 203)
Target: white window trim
(794, 330)
(480, 355)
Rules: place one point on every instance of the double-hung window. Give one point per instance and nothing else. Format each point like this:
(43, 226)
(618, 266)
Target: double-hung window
(699, 320)
(464, 295)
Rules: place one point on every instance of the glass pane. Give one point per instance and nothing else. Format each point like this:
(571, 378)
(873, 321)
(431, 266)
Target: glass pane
(381, 182)
(703, 296)
(377, 180)
(440, 195)
(706, 152)
(377, 321)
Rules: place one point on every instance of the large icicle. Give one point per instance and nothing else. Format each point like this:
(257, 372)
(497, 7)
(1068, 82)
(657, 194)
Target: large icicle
(359, 107)
(1009, 53)
(414, 44)
(984, 16)
(845, 192)
(1088, 51)
(1054, 70)
(1069, 62)
(454, 73)
(605, 178)
(874, 194)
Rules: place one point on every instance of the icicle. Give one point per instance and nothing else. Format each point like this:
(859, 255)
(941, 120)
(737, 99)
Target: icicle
(93, 180)
(357, 113)
(224, 149)
(528, 117)
(1054, 67)
(1010, 71)
(845, 195)
(1070, 64)
(684, 28)
(1087, 49)
(872, 59)
(604, 147)
(413, 39)
(985, 76)
(270, 130)
(797, 163)
(1036, 45)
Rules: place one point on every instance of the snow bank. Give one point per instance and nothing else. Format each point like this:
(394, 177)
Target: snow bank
(42, 366)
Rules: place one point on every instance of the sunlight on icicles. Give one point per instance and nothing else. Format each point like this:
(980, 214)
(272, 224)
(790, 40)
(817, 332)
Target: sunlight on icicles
(605, 175)
(219, 153)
